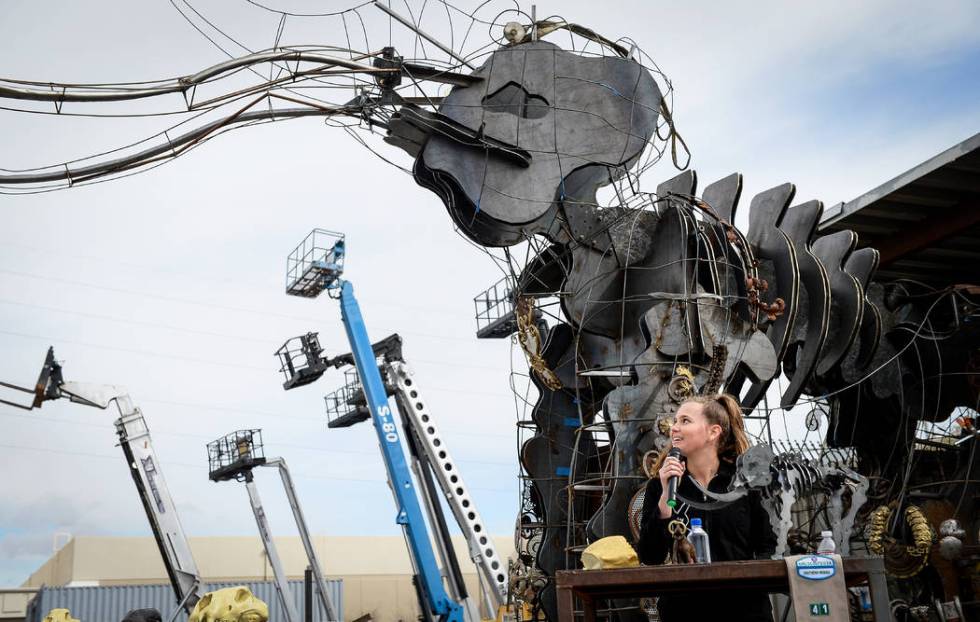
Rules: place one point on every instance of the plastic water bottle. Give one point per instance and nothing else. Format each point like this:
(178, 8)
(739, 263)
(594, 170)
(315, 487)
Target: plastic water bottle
(827, 545)
(699, 539)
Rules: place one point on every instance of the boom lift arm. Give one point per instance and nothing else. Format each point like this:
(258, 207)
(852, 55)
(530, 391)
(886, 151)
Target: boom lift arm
(234, 456)
(431, 457)
(311, 270)
(399, 474)
(134, 438)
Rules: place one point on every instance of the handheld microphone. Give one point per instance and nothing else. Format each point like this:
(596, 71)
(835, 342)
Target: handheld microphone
(672, 482)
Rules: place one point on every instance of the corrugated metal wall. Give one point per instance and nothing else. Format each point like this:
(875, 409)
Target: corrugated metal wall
(109, 603)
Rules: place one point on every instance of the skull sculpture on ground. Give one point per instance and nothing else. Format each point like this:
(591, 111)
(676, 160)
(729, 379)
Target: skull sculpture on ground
(59, 615)
(230, 604)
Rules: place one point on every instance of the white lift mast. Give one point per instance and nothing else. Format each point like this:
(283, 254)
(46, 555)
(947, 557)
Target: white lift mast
(234, 456)
(482, 550)
(134, 438)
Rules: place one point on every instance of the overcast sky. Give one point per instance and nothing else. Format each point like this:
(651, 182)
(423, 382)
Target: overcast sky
(170, 282)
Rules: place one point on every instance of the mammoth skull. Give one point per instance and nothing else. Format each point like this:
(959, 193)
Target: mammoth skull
(231, 604)
(59, 615)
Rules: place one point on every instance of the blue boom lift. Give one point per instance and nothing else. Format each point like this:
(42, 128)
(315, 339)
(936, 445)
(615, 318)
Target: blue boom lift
(314, 267)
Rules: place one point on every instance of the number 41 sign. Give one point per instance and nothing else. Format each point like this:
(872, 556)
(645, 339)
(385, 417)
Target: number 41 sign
(819, 609)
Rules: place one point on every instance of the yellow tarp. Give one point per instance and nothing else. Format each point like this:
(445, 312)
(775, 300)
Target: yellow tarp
(611, 552)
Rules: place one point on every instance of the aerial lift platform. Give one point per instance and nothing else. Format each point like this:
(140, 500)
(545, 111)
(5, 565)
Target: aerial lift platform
(234, 457)
(144, 467)
(314, 267)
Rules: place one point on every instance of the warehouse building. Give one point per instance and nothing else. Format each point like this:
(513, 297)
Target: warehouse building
(375, 571)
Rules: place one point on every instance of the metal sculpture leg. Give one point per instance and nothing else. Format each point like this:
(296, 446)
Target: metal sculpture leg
(281, 583)
(859, 495)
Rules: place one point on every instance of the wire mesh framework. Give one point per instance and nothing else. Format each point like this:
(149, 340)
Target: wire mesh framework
(384, 57)
(315, 264)
(234, 455)
(581, 411)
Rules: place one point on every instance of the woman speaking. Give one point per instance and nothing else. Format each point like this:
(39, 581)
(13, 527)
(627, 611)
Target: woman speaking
(710, 433)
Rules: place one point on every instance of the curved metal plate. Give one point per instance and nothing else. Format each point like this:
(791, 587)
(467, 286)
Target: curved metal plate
(778, 265)
(847, 304)
(800, 225)
(584, 120)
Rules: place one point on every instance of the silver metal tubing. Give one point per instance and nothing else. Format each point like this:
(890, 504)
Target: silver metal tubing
(118, 165)
(60, 92)
(408, 24)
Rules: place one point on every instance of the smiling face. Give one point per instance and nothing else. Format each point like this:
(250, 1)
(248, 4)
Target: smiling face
(692, 432)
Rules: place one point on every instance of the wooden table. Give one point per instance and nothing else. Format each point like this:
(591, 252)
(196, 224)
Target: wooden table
(767, 575)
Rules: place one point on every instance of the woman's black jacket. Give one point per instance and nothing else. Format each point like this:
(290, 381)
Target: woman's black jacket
(737, 531)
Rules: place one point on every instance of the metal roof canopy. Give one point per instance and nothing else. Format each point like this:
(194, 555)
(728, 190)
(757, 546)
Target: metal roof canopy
(925, 222)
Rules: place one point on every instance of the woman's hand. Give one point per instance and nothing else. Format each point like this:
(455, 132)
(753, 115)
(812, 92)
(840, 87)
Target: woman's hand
(672, 467)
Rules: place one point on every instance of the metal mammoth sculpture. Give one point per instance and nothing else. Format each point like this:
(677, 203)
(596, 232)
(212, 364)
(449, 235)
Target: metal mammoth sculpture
(658, 295)
(662, 297)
